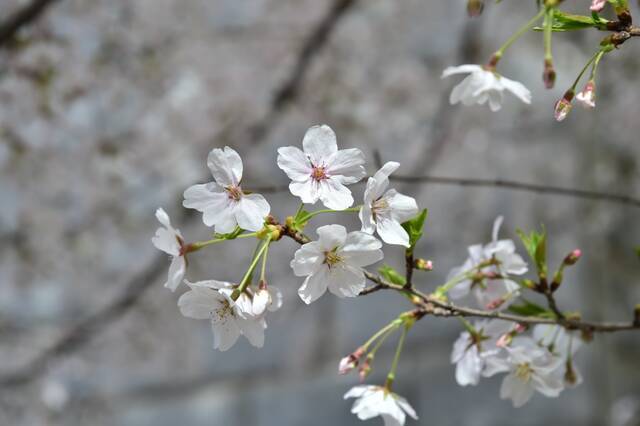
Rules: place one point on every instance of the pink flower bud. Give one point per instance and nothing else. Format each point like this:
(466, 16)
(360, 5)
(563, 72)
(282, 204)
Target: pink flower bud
(423, 265)
(350, 361)
(563, 106)
(495, 304)
(365, 369)
(587, 97)
(597, 5)
(549, 74)
(504, 340)
(573, 257)
(521, 328)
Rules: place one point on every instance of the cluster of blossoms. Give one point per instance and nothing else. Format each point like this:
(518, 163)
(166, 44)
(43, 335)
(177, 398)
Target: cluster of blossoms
(320, 172)
(484, 85)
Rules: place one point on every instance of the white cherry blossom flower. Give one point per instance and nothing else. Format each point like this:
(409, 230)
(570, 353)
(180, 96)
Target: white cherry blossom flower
(335, 262)
(375, 401)
(470, 353)
(321, 171)
(530, 368)
(170, 241)
(491, 293)
(482, 85)
(385, 211)
(223, 203)
(266, 299)
(563, 344)
(229, 319)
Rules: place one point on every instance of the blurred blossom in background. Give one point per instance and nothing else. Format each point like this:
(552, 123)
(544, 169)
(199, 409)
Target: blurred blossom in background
(108, 109)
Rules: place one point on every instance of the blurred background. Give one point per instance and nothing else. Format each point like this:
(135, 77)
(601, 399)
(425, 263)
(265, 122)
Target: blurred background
(107, 111)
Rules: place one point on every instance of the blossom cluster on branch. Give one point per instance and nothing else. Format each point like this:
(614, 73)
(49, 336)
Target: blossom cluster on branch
(533, 346)
(484, 85)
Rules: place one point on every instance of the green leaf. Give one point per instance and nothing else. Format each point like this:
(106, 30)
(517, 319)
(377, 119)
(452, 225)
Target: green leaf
(391, 275)
(530, 309)
(414, 228)
(301, 219)
(231, 235)
(569, 22)
(536, 245)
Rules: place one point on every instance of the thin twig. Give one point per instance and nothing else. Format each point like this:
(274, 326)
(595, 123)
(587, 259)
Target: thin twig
(22, 17)
(81, 334)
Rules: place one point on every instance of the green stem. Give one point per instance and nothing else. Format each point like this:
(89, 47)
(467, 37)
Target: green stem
(245, 280)
(387, 328)
(596, 62)
(394, 365)
(263, 269)
(584, 69)
(200, 244)
(317, 212)
(548, 27)
(444, 288)
(467, 325)
(379, 343)
(526, 27)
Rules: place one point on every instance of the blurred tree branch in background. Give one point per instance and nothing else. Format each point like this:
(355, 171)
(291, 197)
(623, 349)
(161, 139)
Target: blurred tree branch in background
(22, 17)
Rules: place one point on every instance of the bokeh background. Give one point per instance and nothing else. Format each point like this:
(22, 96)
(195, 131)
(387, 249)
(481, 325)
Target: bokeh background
(107, 111)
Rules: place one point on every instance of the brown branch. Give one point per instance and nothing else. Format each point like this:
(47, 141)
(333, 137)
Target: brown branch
(22, 17)
(81, 334)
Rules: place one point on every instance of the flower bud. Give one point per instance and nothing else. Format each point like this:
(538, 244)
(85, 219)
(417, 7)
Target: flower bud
(587, 97)
(365, 369)
(570, 376)
(475, 7)
(423, 265)
(521, 328)
(549, 74)
(572, 257)
(495, 304)
(597, 5)
(504, 340)
(563, 106)
(350, 361)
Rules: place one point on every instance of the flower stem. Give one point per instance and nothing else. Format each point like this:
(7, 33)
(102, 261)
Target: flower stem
(263, 269)
(444, 288)
(526, 27)
(200, 244)
(548, 27)
(596, 62)
(317, 212)
(394, 365)
(584, 69)
(387, 328)
(245, 280)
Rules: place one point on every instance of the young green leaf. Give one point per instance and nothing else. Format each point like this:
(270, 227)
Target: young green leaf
(536, 245)
(391, 275)
(414, 228)
(530, 309)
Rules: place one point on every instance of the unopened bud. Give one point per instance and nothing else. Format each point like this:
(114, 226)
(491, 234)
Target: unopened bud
(423, 265)
(350, 361)
(504, 340)
(587, 97)
(521, 328)
(563, 106)
(597, 5)
(529, 284)
(365, 369)
(573, 257)
(549, 74)
(475, 7)
(570, 376)
(269, 231)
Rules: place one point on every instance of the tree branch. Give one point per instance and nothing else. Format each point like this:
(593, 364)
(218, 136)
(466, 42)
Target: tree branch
(22, 17)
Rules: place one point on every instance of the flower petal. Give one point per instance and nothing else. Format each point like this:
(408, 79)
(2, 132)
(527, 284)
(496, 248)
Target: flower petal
(518, 89)
(331, 236)
(211, 200)
(253, 330)
(345, 280)
(199, 302)
(177, 269)
(225, 333)
(308, 191)
(314, 286)
(361, 249)
(319, 143)
(307, 259)
(402, 206)
(392, 232)
(225, 166)
(347, 165)
(294, 163)
(460, 69)
(334, 195)
(515, 389)
(251, 211)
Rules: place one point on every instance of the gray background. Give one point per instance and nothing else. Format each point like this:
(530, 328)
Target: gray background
(108, 111)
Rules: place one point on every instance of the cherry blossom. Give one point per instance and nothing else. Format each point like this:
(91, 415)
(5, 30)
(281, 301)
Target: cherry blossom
(223, 202)
(266, 299)
(530, 368)
(335, 262)
(502, 261)
(373, 401)
(587, 97)
(170, 241)
(482, 85)
(470, 352)
(229, 319)
(320, 171)
(385, 211)
(563, 344)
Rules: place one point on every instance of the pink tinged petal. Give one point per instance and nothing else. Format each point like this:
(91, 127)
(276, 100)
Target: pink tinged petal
(460, 69)
(294, 163)
(334, 195)
(346, 165)
(517, 88)
(307, 259)
(225, 333)
(331, 236)
(177, 269)
(402, 207)
(253, 330)
(314, 286)
(366, 218)
(225, 166)
(361, 249)
(308, 191)
(515, 389)
(345, 281)
(392, 232)
(198, 303)
(319, 143)
(250, 212)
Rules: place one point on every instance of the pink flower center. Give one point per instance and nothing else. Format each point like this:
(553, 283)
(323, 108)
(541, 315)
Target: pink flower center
(234, 192)
(318, 173)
